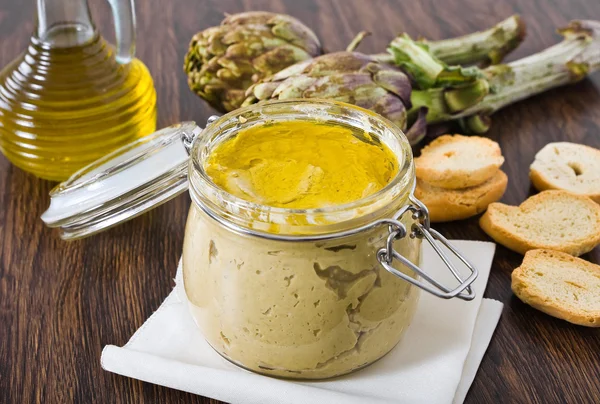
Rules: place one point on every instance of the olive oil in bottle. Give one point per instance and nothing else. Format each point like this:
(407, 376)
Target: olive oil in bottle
(71, 98)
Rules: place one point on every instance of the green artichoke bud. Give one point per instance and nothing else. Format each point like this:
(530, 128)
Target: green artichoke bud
(350, 77)
(489, 46)
(222, 62)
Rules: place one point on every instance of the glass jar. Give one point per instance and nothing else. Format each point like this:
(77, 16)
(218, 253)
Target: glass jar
(292, 293)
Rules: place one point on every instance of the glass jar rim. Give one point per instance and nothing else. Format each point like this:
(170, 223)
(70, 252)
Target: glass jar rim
(203, 189)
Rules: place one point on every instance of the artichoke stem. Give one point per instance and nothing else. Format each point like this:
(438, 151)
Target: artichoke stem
(357, 40)
(567, 62)
(483, 47)
(489, 46)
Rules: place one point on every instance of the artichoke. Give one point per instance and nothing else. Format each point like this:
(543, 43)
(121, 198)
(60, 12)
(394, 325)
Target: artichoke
(350, 77)
(421, 89)
(224, 61)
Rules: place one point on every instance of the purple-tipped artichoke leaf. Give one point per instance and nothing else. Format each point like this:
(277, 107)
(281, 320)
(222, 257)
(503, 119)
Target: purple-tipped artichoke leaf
(367, 97)
(211, 65)
(215, 47)
(392, 108)
(290, 71)
(226, 75)
(249, 17)
(238, 51)
(418, 129)
(395, 82)
(249, 100)
(338, 62)
(325, 87)
(264, 91)
(292, 88)
(278, 59)
(329, 86)
(436, 130)
(235, 97)
(235, 36)
(288, 28)
(237, 67)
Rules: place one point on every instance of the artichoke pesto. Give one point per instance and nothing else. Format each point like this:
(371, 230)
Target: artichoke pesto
(302, 164)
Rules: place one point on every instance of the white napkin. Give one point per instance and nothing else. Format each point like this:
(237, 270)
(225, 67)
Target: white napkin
(435, 362)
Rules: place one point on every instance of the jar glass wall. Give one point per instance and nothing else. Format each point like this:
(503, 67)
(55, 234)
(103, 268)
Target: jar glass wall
(298, 293)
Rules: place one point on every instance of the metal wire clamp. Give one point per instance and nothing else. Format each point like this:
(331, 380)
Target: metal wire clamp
(421, 229)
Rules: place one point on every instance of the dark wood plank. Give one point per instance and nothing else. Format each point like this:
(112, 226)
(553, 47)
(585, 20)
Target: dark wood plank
(60, 303)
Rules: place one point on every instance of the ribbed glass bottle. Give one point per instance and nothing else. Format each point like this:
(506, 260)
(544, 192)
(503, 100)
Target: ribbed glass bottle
(64, 107)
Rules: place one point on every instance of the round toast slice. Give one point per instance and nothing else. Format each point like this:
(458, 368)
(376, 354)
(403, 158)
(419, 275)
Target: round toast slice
(568, 166)
(457, 162)
(559, 285)
(552, 220)
(446, 205)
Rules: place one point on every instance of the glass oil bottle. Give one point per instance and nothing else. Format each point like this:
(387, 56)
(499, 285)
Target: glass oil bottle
(71, 98)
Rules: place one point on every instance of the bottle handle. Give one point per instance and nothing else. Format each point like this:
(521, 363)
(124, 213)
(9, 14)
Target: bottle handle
(124, 15)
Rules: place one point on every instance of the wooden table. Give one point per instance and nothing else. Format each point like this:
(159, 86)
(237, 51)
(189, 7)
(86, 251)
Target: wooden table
(60, 302)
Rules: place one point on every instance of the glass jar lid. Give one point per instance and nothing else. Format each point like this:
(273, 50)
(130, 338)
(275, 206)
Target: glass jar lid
(125, 183)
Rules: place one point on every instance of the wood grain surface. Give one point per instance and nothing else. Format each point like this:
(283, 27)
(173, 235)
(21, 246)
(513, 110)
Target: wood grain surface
(60, 302)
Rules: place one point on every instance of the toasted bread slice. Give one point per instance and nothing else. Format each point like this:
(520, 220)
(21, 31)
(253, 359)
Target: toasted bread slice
(553, 220)
(568, 166)
(456, 161)
(445, 205)
(559, 285)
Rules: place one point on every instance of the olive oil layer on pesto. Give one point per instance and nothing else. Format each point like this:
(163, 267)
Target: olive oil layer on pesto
(301, 164)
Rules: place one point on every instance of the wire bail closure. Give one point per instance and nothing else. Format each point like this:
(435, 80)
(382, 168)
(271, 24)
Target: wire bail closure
(421, 229)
